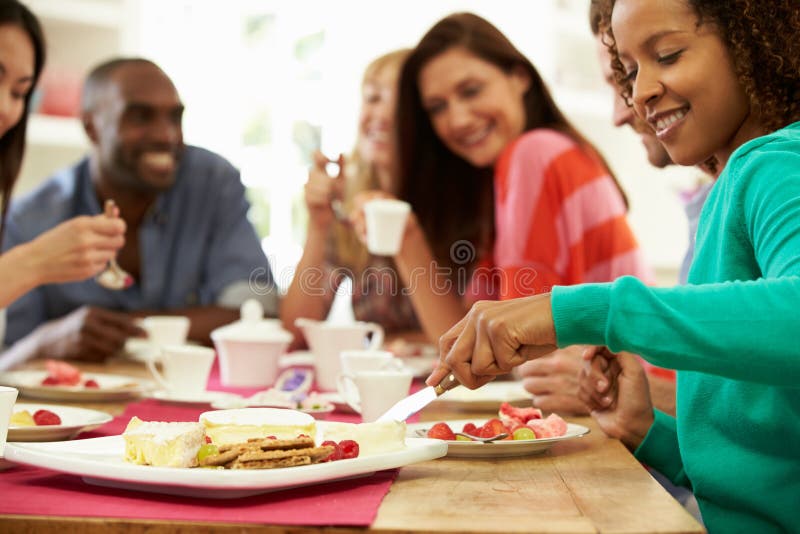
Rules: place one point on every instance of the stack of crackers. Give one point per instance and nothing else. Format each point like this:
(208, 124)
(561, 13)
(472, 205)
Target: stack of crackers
(267, 454)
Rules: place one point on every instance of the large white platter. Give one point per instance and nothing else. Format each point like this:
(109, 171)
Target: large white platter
(73, 421)
(496, 449)
(487, 397)
(99, 461)
(112, 387)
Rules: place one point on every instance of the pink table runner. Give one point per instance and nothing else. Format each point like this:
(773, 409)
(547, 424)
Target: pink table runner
(33, 491)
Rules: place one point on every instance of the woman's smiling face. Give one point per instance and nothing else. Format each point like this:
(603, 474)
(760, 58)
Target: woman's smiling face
(475, 107)
(683, 80)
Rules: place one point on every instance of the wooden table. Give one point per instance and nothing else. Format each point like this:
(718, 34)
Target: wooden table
(587, 485)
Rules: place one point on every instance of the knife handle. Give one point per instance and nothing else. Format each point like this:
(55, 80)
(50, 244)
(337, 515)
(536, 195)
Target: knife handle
(447, 383)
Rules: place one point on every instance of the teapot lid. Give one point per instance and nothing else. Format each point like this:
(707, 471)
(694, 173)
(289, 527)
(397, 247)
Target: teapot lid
(252, 326)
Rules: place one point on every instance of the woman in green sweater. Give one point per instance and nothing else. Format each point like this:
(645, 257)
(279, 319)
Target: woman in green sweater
(719, 82)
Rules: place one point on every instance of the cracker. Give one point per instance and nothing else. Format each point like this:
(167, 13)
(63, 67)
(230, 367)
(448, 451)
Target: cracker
(269, 444)
(291, 461)
(315, 453)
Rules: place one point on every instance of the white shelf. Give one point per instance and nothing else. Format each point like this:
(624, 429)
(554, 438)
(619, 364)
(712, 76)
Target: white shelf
(97, 13)
(66, 132)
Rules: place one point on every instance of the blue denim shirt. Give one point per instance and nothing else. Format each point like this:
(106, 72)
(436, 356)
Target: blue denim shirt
(197, 246)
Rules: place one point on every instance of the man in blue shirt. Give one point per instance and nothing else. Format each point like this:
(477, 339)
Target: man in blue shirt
(189, 245)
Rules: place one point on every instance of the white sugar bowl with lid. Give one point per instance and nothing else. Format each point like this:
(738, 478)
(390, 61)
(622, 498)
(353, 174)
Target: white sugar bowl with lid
(249, 349)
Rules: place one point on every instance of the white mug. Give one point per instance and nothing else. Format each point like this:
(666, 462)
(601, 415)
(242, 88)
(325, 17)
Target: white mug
(354, 361)
(386, 223)
(377, 391)
(166, 329)
(8, 396)
(328, 340)
(185, 368)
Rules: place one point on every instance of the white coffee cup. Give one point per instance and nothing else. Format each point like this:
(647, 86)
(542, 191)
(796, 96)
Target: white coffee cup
(184, 368)
(8, 396)
(377, 391)
(166, 329)
(354, 361)
(328, 340)
(386, 222)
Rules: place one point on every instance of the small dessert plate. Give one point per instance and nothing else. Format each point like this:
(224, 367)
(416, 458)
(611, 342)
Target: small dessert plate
(73, 422)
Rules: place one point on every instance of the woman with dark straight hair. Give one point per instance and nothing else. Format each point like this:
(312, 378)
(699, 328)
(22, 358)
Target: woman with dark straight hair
(507, 197)
(76, 249)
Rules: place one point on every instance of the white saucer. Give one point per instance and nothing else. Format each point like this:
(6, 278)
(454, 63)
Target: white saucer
(202, 397)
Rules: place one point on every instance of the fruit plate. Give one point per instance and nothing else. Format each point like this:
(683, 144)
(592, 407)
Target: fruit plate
(486, 398)
(111, 387)
(99, 461)
(73, 422)
(496, 449)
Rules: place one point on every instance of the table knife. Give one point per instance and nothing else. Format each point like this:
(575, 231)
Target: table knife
(407, 407)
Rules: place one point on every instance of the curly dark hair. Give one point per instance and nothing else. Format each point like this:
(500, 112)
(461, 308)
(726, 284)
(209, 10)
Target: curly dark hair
(763, 37)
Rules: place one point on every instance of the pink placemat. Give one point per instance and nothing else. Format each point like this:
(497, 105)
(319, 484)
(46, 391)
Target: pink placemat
(33, 491)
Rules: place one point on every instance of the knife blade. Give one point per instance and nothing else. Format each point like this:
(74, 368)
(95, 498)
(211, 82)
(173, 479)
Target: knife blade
(405, 408)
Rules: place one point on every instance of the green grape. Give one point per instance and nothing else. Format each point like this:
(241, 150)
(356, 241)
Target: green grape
(206, 450)
(462, 438)
(523, 433)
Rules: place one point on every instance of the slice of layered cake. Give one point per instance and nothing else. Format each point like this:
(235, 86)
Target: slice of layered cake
(163, 444)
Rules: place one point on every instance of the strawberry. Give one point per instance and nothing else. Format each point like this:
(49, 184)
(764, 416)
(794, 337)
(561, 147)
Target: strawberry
(492, 427)
(50, 381)
(64, 373)
(441, 431)
(349, 449)
(91, 383)
(470, 429)
(335, 455)
(46, 417)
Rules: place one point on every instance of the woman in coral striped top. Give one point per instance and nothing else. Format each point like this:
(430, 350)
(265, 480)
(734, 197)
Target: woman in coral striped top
(505, 191)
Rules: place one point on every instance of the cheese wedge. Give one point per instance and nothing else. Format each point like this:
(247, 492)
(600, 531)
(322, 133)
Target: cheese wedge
(163, 444)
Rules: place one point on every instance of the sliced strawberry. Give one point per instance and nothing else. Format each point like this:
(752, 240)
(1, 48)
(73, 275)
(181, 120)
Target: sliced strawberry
(441, 431)
(493, 427)
(46, 417)
(470, 429)
(64, 373)
(349, 449)
(50, 381)
(208, 439)
(335, 455)
(91, 383)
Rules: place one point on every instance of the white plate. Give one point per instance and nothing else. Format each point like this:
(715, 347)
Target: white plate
(497, 449)
(112, 387)
(99, 461)
(201, 397)
(73, 422)
(487, 397)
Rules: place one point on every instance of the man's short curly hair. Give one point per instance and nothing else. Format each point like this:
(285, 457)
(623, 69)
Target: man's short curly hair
(763, 37)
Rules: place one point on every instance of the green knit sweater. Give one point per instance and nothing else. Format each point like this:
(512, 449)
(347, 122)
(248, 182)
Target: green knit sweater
(734, 336)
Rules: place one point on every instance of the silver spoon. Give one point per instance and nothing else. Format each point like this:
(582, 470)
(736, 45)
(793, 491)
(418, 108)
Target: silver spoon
(423, 432)
(113, 276)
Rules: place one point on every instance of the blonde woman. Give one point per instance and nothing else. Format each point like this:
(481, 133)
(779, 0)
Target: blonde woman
(332, 249)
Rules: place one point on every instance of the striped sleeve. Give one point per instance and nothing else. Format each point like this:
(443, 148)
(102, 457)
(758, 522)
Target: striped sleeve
(560, 219)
